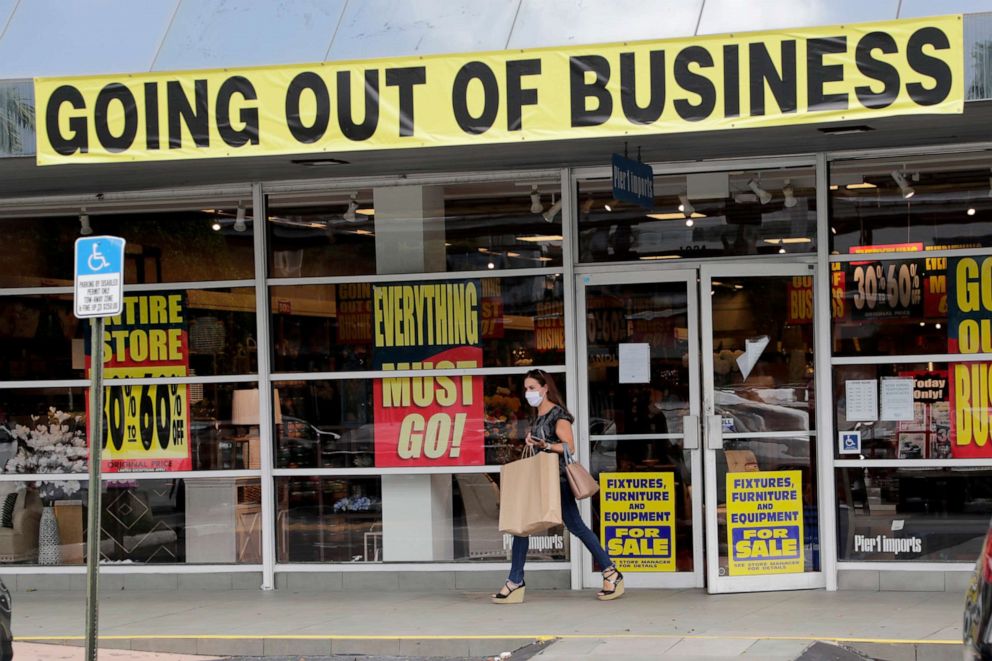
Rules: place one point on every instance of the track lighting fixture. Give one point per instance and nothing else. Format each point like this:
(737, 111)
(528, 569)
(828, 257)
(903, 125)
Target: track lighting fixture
(239, 219)
(789, 194)
(535, 201)
(552, 211)
(349, 214)
(685, 206)
(84, 223)
(763, 196)
(904, 187)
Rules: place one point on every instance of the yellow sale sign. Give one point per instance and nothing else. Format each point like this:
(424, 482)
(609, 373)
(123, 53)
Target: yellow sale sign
(765, 523)
(637, 520)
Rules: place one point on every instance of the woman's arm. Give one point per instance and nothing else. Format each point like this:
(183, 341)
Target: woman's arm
(563, 430)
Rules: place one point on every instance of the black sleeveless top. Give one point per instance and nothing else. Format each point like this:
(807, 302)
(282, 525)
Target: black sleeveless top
(545, 426)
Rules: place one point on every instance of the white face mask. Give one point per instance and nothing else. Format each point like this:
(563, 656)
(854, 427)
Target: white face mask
(534, 398)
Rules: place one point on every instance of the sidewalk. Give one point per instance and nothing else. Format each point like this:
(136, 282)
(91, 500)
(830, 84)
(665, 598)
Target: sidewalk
(643, 624)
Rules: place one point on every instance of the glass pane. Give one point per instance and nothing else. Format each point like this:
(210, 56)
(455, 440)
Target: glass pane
(215, 521)
(192, 332)
(629, 458)
(177, 246)
(326, 328)
(416, 229)
(332, 424)
(653, 314)
(341, 520)
(763, 353)
(207, 426)
(912, 514)
(911, 204)
(701, 215)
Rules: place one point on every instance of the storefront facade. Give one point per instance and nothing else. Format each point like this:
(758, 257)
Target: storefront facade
(325, 398)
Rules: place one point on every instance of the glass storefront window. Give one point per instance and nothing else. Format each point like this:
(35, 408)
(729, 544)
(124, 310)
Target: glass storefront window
(938, 202)
(947, 416)
(174, 246)
(161, 521)
(329, 519)
(206, 426)
(411, 229)
(714, 214)
(327, 328)
(191, 332)
(912, 514)
(332, 424)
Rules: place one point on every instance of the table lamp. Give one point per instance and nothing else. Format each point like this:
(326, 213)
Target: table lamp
(244, 412)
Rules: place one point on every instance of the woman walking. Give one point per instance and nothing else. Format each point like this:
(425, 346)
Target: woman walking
(550, 431)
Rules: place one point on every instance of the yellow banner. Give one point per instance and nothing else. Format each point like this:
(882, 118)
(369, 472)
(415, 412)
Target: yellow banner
(701, 83)
(637, 520)
(765, 523)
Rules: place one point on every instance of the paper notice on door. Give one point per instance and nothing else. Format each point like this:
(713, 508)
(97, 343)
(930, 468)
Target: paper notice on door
(862, 400)
(753, 348)
(897, 398)
(635, 362)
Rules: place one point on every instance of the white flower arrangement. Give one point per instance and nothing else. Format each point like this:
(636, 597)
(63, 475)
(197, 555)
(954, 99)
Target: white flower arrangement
(57, 445)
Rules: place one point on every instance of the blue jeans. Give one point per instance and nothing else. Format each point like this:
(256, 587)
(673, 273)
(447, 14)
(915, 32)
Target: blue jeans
(573, 521)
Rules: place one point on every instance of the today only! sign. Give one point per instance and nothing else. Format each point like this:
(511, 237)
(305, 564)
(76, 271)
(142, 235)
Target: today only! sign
(693, 84)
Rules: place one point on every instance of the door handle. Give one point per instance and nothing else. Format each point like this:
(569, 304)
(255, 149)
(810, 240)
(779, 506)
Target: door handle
(690, 431)
(714, 432)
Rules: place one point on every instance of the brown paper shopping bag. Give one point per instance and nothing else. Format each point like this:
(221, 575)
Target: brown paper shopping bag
(530, 499)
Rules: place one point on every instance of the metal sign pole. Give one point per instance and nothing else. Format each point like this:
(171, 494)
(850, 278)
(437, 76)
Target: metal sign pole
(93, 501)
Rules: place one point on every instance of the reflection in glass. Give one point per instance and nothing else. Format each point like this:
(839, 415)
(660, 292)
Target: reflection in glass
(161, 521)
(42, 338)
(912, 514)
(331, 424)
(333, 519)
(911, 204)
(931, 432)
(178, 246)
(701, 215)
(769, 318)
(327, 328)
(469, 227)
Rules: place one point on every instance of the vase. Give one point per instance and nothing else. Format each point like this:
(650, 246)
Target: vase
(49, 543)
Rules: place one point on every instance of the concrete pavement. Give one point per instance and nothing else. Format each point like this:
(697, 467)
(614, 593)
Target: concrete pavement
(643, 624)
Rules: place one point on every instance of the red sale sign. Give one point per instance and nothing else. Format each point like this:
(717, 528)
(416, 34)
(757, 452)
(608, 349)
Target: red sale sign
(428, 420)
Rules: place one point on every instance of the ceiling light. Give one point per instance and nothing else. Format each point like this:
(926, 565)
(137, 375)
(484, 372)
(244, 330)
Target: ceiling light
(788, 240)
(349, 214)
(239, 219)
(937, 326)
(971, 211)
(535, 201)
(544, 259)
(675, 215)
(905, 188)
(686, 206)
(85, 228)
(510, 253)
(609, 205)
(215, 227)
(552, 211)
(789, 194)
(689, 222)
(764, 196)
(368, 211)
(490, 265)
(653, 257)
(781, 251)
(863, 184)
(540, 238)
(834, 186)
(833, 230)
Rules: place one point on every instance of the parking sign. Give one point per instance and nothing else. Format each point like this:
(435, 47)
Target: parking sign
(99, 276)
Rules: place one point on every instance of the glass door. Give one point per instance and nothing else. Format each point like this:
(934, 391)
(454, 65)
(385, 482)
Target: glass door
(760, 438)
(638, 424)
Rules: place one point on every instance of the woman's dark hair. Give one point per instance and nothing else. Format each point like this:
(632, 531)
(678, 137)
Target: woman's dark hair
(546, 379)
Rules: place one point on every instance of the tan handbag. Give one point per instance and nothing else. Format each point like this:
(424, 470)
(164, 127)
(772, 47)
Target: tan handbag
(582, 483)
(530, 496)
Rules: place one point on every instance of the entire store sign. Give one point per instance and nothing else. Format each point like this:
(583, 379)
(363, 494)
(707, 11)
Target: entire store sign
(765, 523)
(700, 83)
(428, 420)
(969, 321)
(637, 520)
(146, 426)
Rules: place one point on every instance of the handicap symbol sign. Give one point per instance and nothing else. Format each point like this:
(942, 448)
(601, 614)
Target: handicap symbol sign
(99, 276)
(850, 442)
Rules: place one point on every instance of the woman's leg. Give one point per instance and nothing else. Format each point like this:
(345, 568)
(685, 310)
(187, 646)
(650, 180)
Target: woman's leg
(518, 557)
(573, 521)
